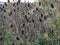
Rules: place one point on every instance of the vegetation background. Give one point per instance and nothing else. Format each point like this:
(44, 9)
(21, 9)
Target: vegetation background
(30, 23)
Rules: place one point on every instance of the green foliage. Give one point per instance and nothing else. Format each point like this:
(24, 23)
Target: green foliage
(58, 19)
(40, 40)
(9, 37)
(50, 23)
(45, 38)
